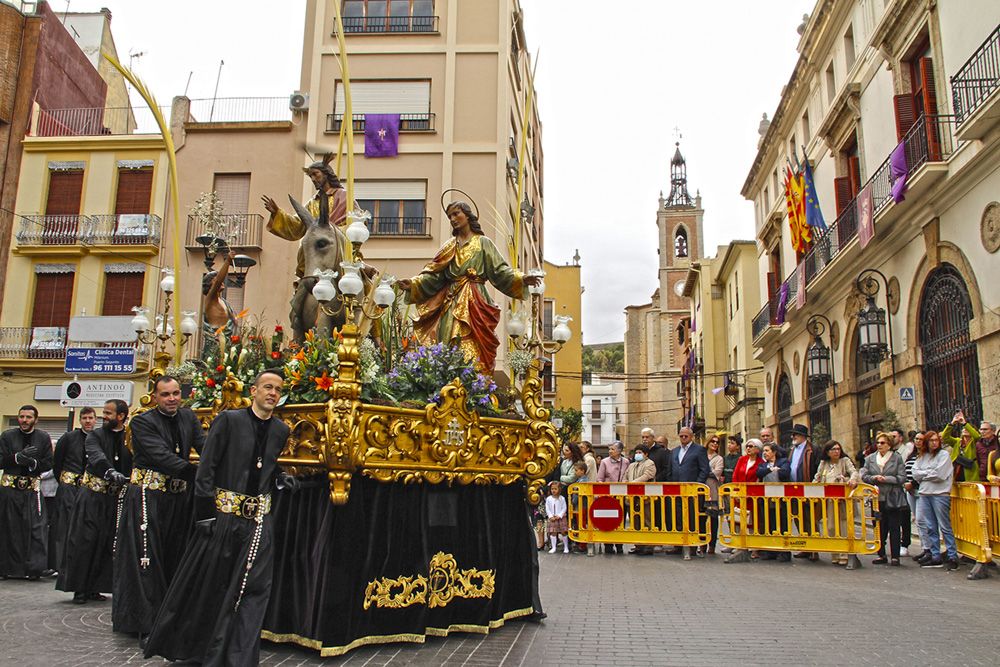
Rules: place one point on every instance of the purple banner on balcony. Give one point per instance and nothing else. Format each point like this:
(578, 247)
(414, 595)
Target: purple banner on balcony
(866, 220)
(780, 312)
(800, 293)
(381, 134)
(898, 171)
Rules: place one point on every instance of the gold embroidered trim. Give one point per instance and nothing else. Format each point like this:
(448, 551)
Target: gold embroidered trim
(19, 482)
(443, 583)
(157, 481)
(412, 638)
(71, 478)
(95, 483)
(237, 504)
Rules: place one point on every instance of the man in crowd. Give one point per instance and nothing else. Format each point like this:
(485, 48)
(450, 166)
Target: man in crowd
(156, 512)
(803, 463)
(688, 463)
(641, 470)
(612, 469)
(86, 568)
(25, 453)
(214, 610)
(767, 437)
(67, 467)
(902, 446)
(986, 445)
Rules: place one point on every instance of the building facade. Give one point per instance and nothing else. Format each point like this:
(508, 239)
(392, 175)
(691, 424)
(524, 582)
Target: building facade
(885, 97)
(653, 344)
(603, 405)
(562, 373)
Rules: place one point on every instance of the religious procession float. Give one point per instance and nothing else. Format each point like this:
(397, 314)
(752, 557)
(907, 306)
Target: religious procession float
(412, 520)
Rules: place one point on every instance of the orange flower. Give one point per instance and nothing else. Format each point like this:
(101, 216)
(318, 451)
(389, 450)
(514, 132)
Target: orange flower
(310, 336)
(243, 313)
(300, 355)
(323, 382)
(295, 376)
(406, 343)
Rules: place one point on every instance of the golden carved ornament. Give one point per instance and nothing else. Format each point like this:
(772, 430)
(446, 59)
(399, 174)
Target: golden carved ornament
(444, 582)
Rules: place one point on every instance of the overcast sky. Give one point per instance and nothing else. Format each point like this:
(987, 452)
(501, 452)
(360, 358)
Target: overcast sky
(613, 81)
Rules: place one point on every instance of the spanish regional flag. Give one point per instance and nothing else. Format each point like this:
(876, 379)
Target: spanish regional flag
(795, 199)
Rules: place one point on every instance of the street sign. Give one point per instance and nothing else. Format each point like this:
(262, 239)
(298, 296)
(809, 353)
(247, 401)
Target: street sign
(101, 329)
(606, 514)
(94, 393)
(906, 393)
(112, 360)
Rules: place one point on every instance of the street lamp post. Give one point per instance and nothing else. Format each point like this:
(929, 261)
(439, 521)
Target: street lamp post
(211, 245)
(875, 341)
(524, 334)
(163, 331)
(819, 357)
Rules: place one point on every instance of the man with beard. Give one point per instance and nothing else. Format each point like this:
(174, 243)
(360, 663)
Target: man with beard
(67, 467)
(86, 568)
(214, 610)
(25, 453)
(156, 513)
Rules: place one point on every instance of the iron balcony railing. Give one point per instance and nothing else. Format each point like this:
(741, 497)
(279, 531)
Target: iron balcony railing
(929, 140)
(397, 226)
(122, 229)
(239, 110)
(49, 343)
(977, 79)
(383, 24)
(242, 231)
(100, 121)
(408, 122)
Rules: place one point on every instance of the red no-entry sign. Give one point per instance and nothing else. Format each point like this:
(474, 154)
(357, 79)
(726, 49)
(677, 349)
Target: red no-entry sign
(606, 514)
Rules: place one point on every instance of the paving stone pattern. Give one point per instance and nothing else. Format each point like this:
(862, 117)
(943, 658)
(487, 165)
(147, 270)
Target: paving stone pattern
(624, 610)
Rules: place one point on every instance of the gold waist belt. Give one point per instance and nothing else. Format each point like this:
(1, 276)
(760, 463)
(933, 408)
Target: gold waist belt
(71, 478)
(95, 483)
(157, 481)
(237, 504)
(18, 482)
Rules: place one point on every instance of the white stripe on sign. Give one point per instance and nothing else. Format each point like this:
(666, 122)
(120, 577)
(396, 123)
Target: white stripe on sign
(774, 490)
(654, 489)
(814, 492)
(619, 489)
(606, 514)
(994, 491)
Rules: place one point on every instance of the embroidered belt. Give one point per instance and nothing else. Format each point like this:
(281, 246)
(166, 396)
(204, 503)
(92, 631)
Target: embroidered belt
(237, 504)
(95, 483)
(19, 482)
(71, 478)
(157, 481)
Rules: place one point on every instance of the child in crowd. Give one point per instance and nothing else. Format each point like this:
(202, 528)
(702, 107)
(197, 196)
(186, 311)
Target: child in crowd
(555, 508)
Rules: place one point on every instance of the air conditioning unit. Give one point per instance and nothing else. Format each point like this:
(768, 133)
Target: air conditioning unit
(298, 101)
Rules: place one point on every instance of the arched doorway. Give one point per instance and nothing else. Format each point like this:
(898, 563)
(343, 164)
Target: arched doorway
(950, 359)
(784, 412)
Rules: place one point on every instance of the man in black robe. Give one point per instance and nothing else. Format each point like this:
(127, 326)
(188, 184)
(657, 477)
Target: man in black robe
(25, 453)
(67, 467)
(156, 514)
(87, 565)
(214, 610)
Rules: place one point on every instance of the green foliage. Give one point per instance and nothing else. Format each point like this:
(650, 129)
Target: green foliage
(604, 358)
(572, 423)
(890, 421)
(820, 435)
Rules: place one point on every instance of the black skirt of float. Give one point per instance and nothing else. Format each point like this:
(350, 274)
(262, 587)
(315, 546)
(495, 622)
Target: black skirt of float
(358, 574)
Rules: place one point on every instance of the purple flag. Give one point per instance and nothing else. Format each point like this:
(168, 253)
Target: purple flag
(800, 292)
(779, 315)
(866, 221)
(898, 172)
(381, 134)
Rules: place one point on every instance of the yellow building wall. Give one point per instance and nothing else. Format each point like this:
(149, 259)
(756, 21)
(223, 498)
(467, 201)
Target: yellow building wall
(562, 286)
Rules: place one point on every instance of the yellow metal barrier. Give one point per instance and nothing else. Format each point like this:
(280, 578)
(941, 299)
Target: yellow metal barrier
(993, 515)
(647, 514)
(830, 518)
(970, 525)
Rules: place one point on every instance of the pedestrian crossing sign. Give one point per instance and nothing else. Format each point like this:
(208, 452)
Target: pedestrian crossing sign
(906, 393)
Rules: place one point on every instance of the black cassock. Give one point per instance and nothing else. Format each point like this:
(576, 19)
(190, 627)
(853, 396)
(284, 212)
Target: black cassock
(199, 619)
(23, 521)
(70, 457)
(87, 566)
(145, 561)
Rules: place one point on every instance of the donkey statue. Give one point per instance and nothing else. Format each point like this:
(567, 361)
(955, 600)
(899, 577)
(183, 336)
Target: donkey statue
(323, 249)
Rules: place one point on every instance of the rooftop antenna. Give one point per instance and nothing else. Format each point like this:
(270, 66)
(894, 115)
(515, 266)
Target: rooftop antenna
(66, 11)
(133, 55)
(188, 84)
(218, 76)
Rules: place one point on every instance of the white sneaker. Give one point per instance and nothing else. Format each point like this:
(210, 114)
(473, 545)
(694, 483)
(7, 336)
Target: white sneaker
(566, 550)
(903, 551)
(552, 550)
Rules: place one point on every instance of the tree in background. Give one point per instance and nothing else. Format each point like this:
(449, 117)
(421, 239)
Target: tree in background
(572, 423)
(604, 358)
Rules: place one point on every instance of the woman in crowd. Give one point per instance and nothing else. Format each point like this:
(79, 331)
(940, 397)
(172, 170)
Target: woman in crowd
(570, 455)
(774, 469)
(910, 485)
(715, 470)
(934, 474)
(962, 448)
(886, 470)
(746, 471)
(587, 450)
(835, 468)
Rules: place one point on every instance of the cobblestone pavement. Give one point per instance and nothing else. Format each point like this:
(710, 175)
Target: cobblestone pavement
(624, 610)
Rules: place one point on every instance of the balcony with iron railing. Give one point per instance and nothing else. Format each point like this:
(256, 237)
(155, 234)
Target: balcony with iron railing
(239, 110)
(408, 122)
(50, 343)
(127, 229)
(242, 231)
(93, 122)
(928, 141)
(975, 90)
(373, 25)
(397, 226)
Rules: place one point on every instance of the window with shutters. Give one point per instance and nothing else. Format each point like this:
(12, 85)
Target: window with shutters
(548, 313)
(595, 408)
(53, 299)
(595, 433)
(62, 207)
(920, 104)
(398, 208)
(394, 16)
(548, 378)
(233, 191)
(847, 186)
(122, 292)
(411, 99)
(135, 190)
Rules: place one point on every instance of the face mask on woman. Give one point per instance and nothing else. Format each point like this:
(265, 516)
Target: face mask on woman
(639, 456)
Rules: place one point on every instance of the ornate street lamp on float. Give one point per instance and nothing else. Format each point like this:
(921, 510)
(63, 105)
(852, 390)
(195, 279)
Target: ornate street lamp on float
(875, 341)
(163, 331)
(819, 357)
(524, 335)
